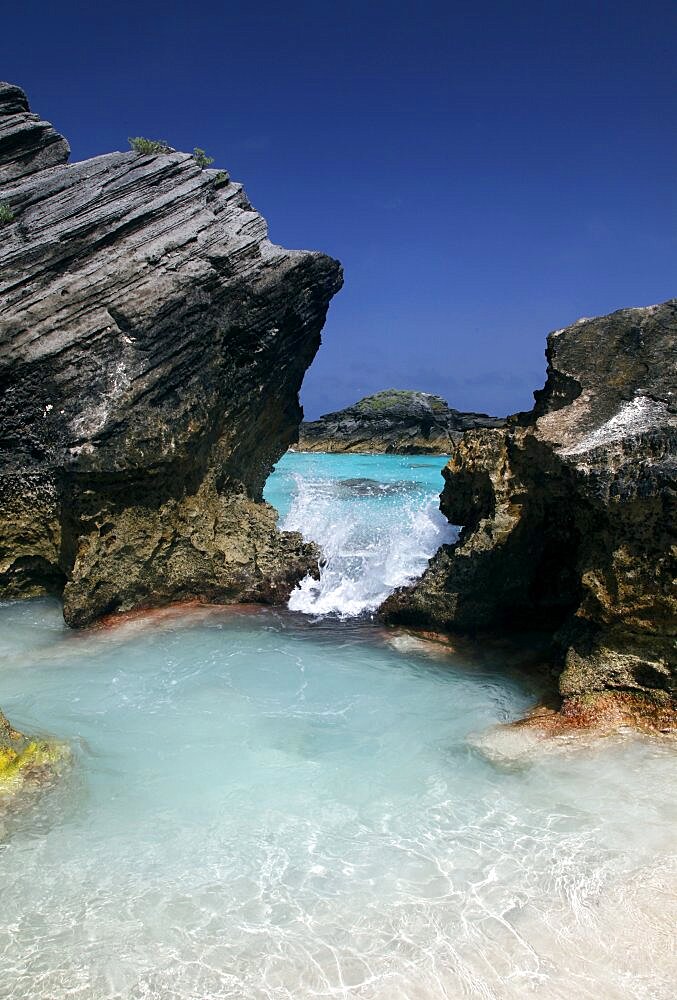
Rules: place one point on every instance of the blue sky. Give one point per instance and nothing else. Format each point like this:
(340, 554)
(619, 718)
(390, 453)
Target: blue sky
(486, 172)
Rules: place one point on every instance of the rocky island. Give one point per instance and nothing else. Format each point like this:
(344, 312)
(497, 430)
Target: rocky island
(153, 342)
(400, 421)
(569, 516)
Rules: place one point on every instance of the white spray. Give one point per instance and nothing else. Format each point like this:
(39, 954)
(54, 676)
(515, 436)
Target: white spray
(373, 541)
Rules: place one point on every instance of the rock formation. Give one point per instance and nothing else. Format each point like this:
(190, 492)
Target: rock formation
(569, 514)
(152, 345)
(25, 761)
(395, 420)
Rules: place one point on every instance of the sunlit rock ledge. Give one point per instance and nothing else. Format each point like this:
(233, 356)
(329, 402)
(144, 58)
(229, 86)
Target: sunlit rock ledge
(569, 517)
(153, 342)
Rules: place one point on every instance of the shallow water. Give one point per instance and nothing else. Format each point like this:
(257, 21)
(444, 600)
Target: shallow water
(271, 805)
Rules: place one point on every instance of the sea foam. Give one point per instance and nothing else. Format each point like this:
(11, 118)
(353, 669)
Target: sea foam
(374, 536)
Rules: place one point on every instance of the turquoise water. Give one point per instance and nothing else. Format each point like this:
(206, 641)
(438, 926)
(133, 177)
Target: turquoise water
(376, 518)
(268, 805)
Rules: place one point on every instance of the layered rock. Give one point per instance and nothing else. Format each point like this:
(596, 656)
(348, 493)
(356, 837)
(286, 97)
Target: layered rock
(153, 342)
(395, 420)
(569, 513)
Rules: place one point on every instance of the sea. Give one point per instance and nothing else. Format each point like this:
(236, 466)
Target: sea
(300, 802)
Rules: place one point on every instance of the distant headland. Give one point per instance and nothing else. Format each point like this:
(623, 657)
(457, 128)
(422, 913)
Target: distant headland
(392, 421)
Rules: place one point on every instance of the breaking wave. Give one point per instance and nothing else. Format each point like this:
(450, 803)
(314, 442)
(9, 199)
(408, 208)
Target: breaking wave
(375, 537)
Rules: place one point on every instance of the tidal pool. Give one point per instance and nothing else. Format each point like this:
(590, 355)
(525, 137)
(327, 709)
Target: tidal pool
(271, 805)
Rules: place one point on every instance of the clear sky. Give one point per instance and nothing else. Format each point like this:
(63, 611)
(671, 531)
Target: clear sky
(485, 171)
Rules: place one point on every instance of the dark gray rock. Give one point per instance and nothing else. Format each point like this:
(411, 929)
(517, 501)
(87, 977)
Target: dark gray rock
(152, 345)
(395, 420)
(27, 144)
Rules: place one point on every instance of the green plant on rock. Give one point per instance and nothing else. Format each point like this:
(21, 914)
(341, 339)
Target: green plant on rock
(149, 146)
(6, 214)
(221, 178)
(201, 157)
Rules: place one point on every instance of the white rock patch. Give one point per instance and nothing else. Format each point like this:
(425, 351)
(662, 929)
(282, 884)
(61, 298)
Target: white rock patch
(635, 416)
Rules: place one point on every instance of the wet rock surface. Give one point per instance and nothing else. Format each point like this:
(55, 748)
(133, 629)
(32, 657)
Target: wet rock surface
(27, 763)
(569, 513)
(152, 345)
(393, 421)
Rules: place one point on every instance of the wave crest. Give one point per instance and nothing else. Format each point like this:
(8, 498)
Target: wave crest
(371, 545)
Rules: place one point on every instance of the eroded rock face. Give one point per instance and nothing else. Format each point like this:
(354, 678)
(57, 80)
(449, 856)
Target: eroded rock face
(397, 421)
(153, 342)
(569, 512)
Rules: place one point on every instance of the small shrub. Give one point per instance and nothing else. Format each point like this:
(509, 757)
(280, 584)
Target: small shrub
(6, 214)
(149, 146)
(221, 178)
(201, 157)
